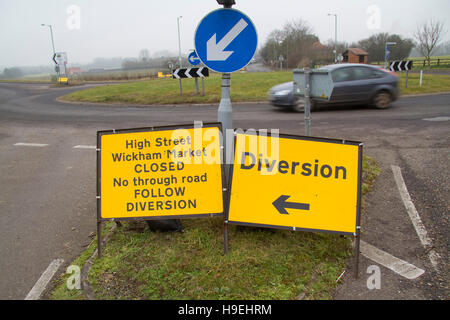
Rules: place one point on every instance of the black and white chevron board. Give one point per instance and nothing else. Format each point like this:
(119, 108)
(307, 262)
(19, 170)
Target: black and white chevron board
(190, 73)
(401, 65)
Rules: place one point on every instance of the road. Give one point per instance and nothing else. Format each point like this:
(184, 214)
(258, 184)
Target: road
(47, 187)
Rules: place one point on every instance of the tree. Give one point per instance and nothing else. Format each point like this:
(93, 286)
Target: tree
(293, 42)
(376, 46)
(341, 48)
(144, 55)
(428, 36)
(12, 73)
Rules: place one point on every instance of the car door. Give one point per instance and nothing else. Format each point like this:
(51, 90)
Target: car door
(363, 83)
(343, 81)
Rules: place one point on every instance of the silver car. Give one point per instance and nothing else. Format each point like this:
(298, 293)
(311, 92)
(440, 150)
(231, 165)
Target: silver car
(353, 84)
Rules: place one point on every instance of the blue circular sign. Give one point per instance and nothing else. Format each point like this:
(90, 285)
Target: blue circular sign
(193, 58)
(226, 40)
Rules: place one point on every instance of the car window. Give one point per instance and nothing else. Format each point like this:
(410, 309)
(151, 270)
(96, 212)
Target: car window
(379, 73)
(362, 73)
(344, 74)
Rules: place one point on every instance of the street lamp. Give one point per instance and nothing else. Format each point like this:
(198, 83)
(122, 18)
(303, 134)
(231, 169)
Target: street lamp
(51, 34)
(386, 54)
(335, 35)
(226, 3)
(179, 41)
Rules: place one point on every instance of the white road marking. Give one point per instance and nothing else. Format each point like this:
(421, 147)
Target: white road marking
(437, 119)
(84, 147)
(414, 215)
(23, 144)
(39, 287)
(397, 265)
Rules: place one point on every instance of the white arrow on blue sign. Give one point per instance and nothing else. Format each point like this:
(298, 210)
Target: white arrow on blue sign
(193, 58)
(226, 40)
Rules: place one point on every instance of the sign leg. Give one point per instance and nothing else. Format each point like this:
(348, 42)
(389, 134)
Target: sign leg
(181, 88)
(225, 237)
(203, 86)
(99, 239)
(357, 243)
(406, 84)
(196, 86)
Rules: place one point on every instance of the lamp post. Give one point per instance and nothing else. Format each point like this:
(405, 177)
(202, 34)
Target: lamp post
(386, 54)
(51, 34)
(53, 43)
(335, 35)
(179, 51)
(179, 41)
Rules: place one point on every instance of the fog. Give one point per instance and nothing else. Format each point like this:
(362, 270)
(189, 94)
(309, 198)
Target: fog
(88, 29)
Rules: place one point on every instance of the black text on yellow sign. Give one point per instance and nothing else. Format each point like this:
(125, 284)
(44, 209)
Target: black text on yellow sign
(299, 183)
(160, 173)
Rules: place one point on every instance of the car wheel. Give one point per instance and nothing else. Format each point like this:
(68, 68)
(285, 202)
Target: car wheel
(300, 106)
(382, 100)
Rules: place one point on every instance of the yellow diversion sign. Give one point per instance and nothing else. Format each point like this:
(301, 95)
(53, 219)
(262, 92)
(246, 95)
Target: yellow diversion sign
(165, 172)
(297, 183)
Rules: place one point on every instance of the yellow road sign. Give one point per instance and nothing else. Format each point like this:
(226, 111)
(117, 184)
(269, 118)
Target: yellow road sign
(165, 172)
(298, 183)
(63, 80)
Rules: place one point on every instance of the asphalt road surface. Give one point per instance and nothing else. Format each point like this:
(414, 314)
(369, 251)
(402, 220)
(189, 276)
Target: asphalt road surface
(47, 186)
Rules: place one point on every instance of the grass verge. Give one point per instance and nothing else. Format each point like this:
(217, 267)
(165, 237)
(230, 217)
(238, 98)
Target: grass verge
(246, 87)
(432, 83)
(261, 264)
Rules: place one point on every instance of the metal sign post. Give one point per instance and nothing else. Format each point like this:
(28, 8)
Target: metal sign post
(387, 52)
(196, 85)
(225, 116)
(194, 60)
(307, 102)
(312, 84)
(203, 86)
(406, 83)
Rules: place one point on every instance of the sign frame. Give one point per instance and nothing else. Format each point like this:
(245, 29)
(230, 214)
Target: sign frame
(356, 234)
(102, 133)
(293, 228)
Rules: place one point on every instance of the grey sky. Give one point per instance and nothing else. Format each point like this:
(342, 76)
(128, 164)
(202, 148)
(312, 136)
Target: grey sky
(121, 28)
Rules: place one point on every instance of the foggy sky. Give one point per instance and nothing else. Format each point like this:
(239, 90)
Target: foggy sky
(118, 28)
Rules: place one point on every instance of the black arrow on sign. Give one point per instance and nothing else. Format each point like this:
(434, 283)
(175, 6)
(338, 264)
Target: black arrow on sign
(193, 72)
(281, 205)
(179, 73)
(409, 65)
(204, 72)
